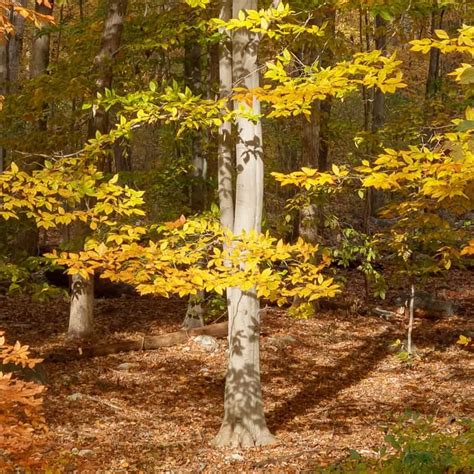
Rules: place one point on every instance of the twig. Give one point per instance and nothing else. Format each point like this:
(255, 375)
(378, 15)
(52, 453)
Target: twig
(265, 462)
(410, 320)
(98, 400)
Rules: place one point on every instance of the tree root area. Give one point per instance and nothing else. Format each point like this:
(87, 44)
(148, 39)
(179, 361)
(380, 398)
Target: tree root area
(331, 388)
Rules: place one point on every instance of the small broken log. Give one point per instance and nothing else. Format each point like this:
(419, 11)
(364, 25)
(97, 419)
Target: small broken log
(145, 344)
(427, 306)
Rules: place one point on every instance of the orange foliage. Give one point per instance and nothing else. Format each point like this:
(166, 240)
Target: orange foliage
(21, 414)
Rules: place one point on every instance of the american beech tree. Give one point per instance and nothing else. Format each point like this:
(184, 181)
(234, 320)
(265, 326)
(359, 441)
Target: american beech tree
(244, 418)
(81, 313)
(230, 254)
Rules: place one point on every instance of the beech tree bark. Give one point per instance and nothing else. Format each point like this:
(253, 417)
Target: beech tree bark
(81, 314)
(193, 77)
(244, 421)
(41, 43)
(197, 189)
(225, 159)
(81, 320)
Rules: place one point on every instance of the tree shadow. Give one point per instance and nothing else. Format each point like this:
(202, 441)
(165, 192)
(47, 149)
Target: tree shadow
(323, 383)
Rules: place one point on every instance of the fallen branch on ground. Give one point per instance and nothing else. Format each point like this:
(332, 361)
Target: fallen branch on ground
(144, 344)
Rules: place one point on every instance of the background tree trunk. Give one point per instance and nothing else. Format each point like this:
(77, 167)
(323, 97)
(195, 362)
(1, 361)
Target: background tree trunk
(81, 314)
(433, 84)
(41, 43)
(81, 321)
(244, 421)
(378, 110)
(197, 189)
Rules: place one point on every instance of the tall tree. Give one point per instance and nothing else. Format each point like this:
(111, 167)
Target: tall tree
(433, 78)
(244, 421)
(81, 320)
(41, 42)
(315, 136)
(225, 158)
(197, 189)
(378, 107)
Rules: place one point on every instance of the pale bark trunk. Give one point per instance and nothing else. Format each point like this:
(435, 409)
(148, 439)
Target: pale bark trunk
(41, 42)
(225, 162)
(15, 49)
(193, 77)
(195, 313)
(81, 316)
(244, 421)
(197, 192)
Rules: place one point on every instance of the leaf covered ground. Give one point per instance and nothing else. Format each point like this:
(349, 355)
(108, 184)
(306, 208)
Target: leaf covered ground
(335, 387)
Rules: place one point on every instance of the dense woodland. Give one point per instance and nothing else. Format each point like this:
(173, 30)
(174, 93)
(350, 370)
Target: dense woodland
(236, 235)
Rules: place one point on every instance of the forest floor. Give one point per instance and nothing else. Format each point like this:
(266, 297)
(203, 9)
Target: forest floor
(332, 389)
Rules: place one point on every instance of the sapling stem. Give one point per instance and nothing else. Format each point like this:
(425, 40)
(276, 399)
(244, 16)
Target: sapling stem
(411, 312)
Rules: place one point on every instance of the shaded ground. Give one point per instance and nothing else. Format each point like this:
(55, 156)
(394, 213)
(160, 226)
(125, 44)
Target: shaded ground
(334, 389)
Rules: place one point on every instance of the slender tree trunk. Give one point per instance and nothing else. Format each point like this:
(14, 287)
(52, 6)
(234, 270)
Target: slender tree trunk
(244, 418)
(378, 109)
(197, 190)
(433, 80)
(104, 61)
(193, 77)
(365, 46)
(26, 236)
(326, 105)
(226, 162)
(411, 316)
(15, 48)
(4, 79)
(315, 139)
(81, 322)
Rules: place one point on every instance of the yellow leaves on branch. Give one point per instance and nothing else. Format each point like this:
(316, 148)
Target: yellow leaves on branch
(309, 178)
(199, 255)
(66, 191)
(463, 43)
(442, 174)
(294, 95)
(272, 22)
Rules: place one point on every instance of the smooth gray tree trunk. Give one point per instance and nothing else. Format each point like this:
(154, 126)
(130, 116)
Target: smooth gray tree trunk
(244, 423)
(81, 320)
(41, 44)
(225, 159)
(81, 314)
